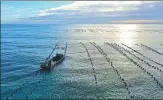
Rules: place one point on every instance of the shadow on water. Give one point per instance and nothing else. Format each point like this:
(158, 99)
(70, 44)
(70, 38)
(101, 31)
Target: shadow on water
(42, 71)
(45, 70)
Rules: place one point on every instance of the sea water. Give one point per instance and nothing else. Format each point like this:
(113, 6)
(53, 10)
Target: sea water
(25, 46)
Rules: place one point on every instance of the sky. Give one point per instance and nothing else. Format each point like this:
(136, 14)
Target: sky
(81, 12)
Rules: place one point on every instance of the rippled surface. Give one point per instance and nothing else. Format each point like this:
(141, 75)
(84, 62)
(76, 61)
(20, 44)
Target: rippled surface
(24, 47)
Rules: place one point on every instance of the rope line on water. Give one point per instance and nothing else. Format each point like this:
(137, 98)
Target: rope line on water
(111, 63)
(138, 65)
(94, 73)
(140, 59)
(77, 52)
(142, 55)
(21, 87)
(149, 48)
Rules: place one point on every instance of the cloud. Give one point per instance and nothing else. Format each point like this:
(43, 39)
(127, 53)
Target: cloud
(99, 12)
(138, 21)
(94, 7)
(84, 7)
(151, 6)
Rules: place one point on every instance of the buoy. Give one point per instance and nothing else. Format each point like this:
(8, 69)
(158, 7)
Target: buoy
(132, 96)
(128, 92)
(127, 88)
(152, 76)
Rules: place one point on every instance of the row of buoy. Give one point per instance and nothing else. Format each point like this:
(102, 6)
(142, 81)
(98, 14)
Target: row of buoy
(77, 52)
(98, 30)
(15, 91)
(20, 87)
(34, 75)
(91, 30)
(122, 79)
(80, 30)
(111, 63)
(129, 93)
(148, 73)
(36, 85)
(149, 48)
(135, 63)
(91, 63)
(101, 51)
(73, 44)
(94, 73)
(140, 59)
(142, 55)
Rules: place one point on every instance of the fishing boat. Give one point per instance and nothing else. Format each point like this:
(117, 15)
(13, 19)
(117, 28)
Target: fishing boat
(54, 61)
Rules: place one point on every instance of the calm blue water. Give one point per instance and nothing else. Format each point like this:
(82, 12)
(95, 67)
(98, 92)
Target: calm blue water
(24, 47)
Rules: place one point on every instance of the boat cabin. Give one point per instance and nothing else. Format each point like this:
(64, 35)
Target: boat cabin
(52, 62)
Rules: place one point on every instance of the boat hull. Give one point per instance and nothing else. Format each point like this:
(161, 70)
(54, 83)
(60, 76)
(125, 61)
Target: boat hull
(52, 66)
(45, 65)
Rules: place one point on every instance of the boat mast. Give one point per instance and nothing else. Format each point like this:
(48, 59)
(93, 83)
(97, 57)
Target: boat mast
(65, 49)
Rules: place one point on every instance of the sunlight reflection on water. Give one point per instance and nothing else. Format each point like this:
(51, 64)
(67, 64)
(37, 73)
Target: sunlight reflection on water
(126, 33)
